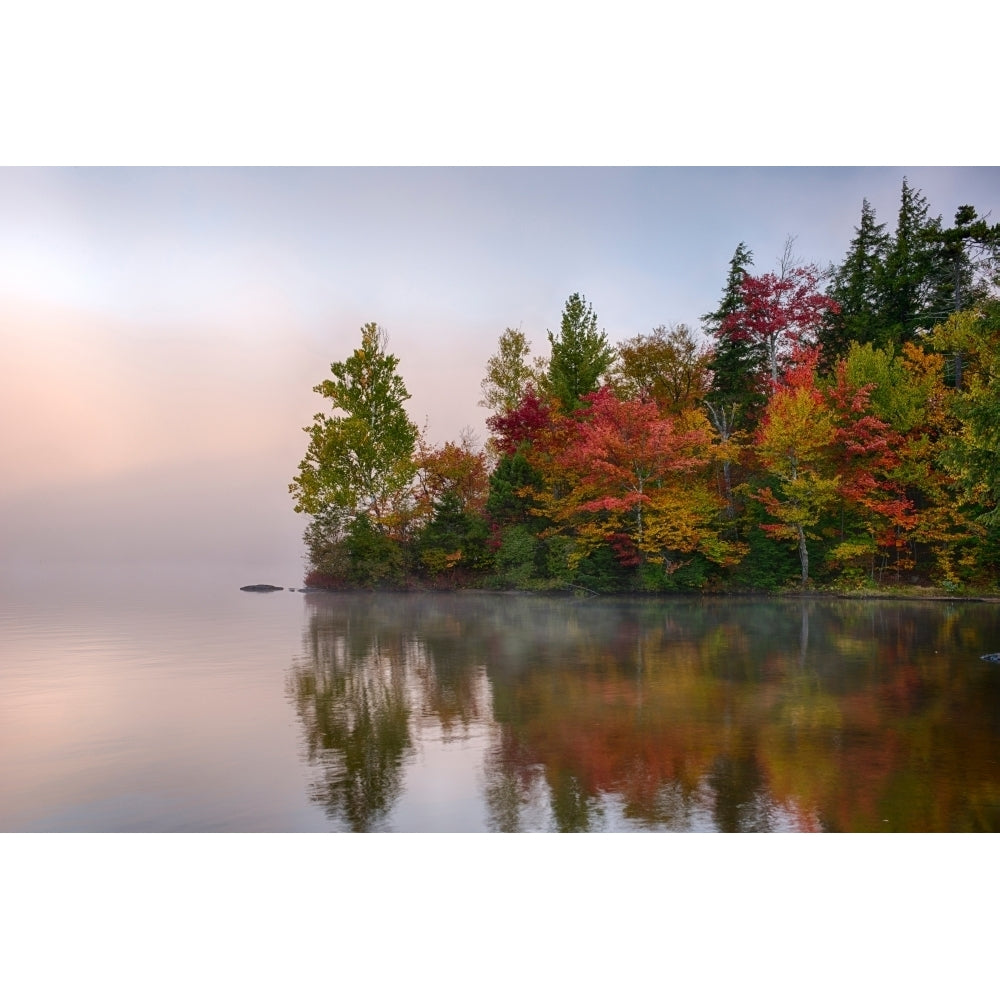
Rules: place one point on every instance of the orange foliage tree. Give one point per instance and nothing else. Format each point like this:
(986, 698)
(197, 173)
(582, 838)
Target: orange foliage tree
(619, 472)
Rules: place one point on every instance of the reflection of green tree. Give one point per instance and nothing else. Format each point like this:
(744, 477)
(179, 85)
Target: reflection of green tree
(573, 806)
(739, 800)
(451, 675)
(349, 691)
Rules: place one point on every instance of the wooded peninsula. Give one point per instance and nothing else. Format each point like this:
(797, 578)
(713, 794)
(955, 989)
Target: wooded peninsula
(835, 430)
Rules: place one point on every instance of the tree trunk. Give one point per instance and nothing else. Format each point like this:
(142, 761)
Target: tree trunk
(803, 555)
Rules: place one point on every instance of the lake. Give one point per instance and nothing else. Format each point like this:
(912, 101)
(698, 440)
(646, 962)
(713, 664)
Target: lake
(183, 704)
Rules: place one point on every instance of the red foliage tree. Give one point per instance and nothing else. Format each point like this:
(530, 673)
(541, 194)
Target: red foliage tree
(869, 455)
(523, 424)
(779, 312)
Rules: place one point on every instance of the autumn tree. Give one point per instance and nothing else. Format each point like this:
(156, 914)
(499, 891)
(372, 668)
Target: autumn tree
(620, 473)
(794, 445)
(667, 366)
(520, 426)
(877, 516)
(458, 467)
(359, 462)
(781, 311)
(579, 357)
(909, 392)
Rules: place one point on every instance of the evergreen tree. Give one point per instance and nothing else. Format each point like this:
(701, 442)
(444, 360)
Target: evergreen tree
(908, 282)
(967, 258)
(506, 503)
(454, 538)
(580, 355)
(735, 393)
(857, 287)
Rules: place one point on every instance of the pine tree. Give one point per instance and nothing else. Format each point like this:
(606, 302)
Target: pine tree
(857, 287)
(967, 259)
(908, 282)
(735, 394)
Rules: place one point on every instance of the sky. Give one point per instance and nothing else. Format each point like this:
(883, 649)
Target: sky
(161, 328)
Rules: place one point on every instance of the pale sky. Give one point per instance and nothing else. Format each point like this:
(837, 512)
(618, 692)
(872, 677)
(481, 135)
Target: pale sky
(161, 329)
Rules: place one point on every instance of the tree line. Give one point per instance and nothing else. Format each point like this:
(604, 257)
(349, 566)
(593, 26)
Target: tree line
(832, 428)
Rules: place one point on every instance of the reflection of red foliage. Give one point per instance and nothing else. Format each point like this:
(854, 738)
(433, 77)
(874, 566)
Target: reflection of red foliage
(883, 753)
(609, 740)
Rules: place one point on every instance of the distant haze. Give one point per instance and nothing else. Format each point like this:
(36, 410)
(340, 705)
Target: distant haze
(161, 329)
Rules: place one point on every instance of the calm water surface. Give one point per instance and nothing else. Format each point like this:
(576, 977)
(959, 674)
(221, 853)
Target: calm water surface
(141, 705)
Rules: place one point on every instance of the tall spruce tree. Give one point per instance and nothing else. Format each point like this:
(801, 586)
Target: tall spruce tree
(735, 394)
(858, 288)
(911, 266)
(579, 357)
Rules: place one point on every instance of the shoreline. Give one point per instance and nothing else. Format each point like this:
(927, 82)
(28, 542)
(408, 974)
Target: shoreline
(930, 594)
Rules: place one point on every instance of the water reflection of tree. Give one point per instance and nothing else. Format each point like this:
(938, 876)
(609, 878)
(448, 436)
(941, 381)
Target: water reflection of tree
(350, 692)
(732, 715)
(375, 669)
(450, 667)
(798, 715)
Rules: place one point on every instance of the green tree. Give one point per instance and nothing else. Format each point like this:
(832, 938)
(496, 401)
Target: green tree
(454, 538)
(579, 357)
(857, 287)
(359, 461)
(908, 284)
(967, 259)
(972, 454)
(735, 394)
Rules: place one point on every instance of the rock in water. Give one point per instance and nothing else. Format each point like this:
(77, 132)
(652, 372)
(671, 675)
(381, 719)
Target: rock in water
(261, 588)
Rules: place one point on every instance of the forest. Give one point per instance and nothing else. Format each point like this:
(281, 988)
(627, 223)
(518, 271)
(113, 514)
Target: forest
(831, 429)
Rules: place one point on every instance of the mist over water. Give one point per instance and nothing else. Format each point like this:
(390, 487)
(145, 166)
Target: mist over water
(220, 519)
